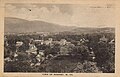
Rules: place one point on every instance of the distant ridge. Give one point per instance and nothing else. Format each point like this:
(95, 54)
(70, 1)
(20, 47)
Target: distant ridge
(95, 30)
(89, 30)
(17, 25)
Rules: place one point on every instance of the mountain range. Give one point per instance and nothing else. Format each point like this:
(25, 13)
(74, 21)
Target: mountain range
(17, 25)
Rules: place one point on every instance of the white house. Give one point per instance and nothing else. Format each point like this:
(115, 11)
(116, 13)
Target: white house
(63, 42)
(32, 49)
(19, 43)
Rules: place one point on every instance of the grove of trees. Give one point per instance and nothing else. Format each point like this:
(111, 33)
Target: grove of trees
(93, 56)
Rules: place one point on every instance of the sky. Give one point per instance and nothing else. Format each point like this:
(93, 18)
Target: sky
(64, 14)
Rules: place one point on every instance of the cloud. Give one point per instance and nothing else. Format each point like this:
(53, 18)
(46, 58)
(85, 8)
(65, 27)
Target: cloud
(38, 13)
(82, 16)
(95, 17)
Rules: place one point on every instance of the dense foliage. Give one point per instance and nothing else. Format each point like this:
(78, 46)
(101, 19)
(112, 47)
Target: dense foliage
(78, 58)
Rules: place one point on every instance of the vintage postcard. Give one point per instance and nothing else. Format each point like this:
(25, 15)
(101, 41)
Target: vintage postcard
(59, 38)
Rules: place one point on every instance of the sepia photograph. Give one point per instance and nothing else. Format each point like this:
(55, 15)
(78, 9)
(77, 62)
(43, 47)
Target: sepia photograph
(59, 38)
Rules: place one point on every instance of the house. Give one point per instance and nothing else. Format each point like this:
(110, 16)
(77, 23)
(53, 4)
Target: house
(68, 43)
(112, 42)
(63, 42)
(6, 41)
(49, 41)
(40, 56)
(56, 42)
(42, 42)
(8, 59)
(38, 41)
(32, 49)
(82, 41)
(103, 39)
(19, 43)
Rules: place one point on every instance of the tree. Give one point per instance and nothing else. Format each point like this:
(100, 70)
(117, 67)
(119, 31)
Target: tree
(90, 67)
(86, 67)
(105, 58)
